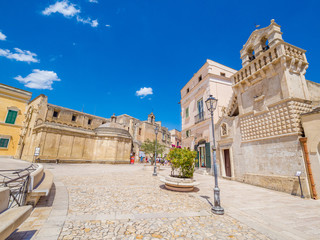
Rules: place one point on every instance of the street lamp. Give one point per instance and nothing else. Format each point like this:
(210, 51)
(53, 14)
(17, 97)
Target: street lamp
(156, 130)
(211, 104)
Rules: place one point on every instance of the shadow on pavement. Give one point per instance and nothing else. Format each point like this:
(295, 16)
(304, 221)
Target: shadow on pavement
(207, 198)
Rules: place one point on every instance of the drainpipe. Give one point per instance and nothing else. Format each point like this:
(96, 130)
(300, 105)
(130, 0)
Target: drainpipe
(303, 140)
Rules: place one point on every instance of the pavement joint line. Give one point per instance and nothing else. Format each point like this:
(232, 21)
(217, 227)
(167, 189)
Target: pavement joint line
(89, 217)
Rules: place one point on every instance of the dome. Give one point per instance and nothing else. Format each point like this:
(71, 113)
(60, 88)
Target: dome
(112, 129)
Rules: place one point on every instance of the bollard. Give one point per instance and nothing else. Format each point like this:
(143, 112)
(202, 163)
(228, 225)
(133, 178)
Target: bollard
(298, 174)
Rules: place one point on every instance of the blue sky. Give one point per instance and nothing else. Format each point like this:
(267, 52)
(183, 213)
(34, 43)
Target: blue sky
(96, 54)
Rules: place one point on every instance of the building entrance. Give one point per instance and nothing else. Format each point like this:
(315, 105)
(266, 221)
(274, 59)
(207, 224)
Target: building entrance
(202, 155)
(227, 164)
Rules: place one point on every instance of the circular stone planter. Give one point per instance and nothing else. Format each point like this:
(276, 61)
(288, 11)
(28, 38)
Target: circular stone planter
(179, 184)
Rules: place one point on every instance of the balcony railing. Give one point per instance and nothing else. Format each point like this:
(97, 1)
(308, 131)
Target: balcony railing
(199, 117)
(17, 180)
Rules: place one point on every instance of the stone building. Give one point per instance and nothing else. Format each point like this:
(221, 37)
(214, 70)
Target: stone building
(258, 136)
(13, 103)
(71, 136)
(175, 137)
(311, 126)
(212, 79)
(143, 130)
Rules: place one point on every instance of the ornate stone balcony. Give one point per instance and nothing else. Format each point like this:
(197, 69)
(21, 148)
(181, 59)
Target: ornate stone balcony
(290, 56)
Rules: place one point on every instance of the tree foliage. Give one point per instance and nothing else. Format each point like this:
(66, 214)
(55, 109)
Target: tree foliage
(183, 161)
(149, 148)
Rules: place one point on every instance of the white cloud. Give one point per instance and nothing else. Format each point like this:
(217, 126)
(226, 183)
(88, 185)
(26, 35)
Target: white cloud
(2, 36)
(39, 79)
(64, 7)
(19, 55)
(108, 25)
(93, 1)
(144, 92)
(69, 10)
(93, 23)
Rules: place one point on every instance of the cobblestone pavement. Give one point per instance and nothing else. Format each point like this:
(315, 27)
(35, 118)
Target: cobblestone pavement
(92, 201)
(129, 203)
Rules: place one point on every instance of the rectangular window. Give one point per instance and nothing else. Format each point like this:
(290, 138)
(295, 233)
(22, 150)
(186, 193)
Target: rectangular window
(188, 90)
(222, 74)
(4, 142)
(55, 114)
(163, 137)
(187, 112)
(74, 118)
(139, 131)
(200, 78)
(89, 121)
(200, 106)
(11, 116)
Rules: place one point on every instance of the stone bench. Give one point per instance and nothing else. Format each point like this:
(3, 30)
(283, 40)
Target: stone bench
(11, 219)
(40, 185)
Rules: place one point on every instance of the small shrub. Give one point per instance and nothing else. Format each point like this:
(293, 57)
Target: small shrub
(182, 161)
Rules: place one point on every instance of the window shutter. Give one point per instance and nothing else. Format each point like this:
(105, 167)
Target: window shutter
(208, 155)
(197, 159)
(11, 117)
(4, 142)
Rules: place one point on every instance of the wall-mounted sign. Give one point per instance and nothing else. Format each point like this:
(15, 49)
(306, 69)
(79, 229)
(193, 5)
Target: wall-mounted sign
(37, 151)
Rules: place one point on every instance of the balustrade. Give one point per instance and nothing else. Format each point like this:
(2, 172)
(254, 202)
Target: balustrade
(266, 57)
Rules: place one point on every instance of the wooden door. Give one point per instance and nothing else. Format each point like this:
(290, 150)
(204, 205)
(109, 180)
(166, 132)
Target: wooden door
(227, 162)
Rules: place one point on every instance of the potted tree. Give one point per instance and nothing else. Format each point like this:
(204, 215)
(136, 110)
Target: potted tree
(182, 169)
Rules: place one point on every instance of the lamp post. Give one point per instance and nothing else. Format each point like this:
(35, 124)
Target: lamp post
(156, 130)
(211, 104)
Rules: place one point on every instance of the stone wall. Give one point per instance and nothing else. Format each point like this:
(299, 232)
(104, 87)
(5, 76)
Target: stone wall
(270, 163)
(311, 126)
(288, 184)
(66, 145)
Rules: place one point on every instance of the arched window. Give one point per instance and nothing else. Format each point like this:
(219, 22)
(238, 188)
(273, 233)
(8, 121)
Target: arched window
(264, 44)
(251, 54)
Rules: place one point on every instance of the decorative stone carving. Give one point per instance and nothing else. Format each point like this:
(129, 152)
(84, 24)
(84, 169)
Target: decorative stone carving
(281, 119)
(224, 129)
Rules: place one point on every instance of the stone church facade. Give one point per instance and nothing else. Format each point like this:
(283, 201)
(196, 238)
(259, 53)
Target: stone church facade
(70, 136)
(67, 135)
(143, 130)
(258, 135)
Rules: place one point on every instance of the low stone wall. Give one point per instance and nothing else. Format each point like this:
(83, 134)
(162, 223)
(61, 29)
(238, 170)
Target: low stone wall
(288, 184)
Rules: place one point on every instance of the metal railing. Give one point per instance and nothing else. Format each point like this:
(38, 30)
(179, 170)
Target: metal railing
(17, 180)
(199, 117)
